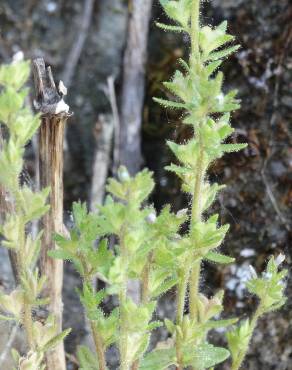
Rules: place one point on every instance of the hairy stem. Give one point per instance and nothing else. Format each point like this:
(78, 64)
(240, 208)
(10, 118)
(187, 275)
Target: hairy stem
(27, 323)
(145, 282)
(200, 170)
(194, 289)
(200, 166)
(123, 331)
(236, 364)
(123, 342)
(192, 274)
(98, 346)
(199, 181)
(196, 217)
(195, 27)
(181, 296)
(144, 296)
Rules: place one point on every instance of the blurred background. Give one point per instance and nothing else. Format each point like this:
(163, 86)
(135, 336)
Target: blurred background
(113, 58)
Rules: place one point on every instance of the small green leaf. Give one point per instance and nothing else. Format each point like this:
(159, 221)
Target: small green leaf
(238, 339)
(56, 340)
(164, 287)
(169, 103)
(206, 355)
(223, 53)
(87, 359)
(219, 258)
(60, 254)
(230, 148)
(212, 324)
(211, 67)
(168, 27)
(170, 326)
(158, 359)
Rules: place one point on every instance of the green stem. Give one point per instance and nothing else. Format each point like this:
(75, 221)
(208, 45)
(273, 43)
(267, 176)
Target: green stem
(28, 325)
(144, 295)
(194, 289)
(181, 295)
(195, 28)
(199, 181)
(98, 346)
(239, 360)
(98, 342)
(196, 217)
(123, 345)
(192, 274)
(200, 170)
(123, 342)
(200, 165)
(145, 281)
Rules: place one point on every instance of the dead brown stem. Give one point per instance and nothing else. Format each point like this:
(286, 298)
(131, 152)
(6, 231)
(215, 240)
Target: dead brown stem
(51, 136)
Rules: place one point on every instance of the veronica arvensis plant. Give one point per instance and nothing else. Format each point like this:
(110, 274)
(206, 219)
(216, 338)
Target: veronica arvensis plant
(198, 92)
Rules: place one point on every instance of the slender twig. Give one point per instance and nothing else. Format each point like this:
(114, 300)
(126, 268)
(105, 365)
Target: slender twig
(117, 124)
(273, 199)
(75, 52)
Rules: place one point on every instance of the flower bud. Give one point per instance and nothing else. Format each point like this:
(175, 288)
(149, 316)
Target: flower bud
(123, 174)
(253, 272)
(151, 218)
(280, 259)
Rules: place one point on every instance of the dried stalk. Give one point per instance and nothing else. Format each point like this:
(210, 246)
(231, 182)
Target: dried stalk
(54, 116)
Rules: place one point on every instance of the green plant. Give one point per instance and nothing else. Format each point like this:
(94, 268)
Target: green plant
(26, 206)
(269, 288)
(150, 247)
(198, 92)
(145, 249)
